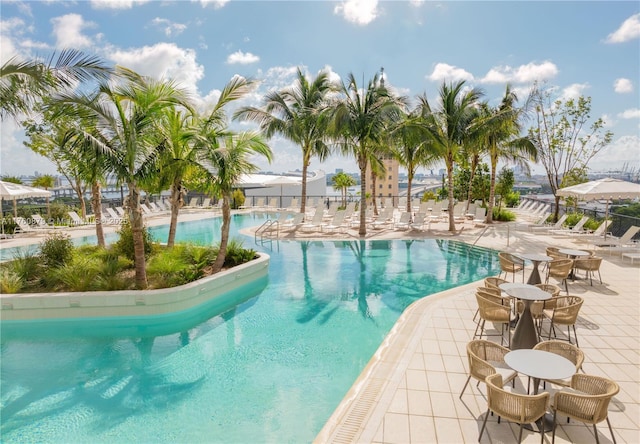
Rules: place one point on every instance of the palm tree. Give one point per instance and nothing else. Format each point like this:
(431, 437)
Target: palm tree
(342, 181)
(499, 130)
(45, 181)
(298, 113)
(225, 156)
(125, 115)
(358, 123)
(412, 149)
(448, 127)
(22, 82)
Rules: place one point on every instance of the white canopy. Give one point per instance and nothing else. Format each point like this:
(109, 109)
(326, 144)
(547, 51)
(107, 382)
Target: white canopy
(13, 191)
(602, 189)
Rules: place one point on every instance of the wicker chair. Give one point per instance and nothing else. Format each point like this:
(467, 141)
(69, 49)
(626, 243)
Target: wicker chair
(560, 269)
(589, 265)
(537, 307)
(493, 294)
(494, 282)
(487, 358)
(587, 400)
(510, 264)
(566, 350)
(565, 313)
(555, 253)
(514, 407)
(494, 309)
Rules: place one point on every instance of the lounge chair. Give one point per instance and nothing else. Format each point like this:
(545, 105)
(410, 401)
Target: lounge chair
(42, 224)
(315, 222)
(545, 227)
(383, 219)
(577, 228)
(404, 222)
(192, 203)
(419, 221)
(480, 216)
(76, 220)
(293, 223)
(623, 241)
(114, 218)
(22, 226)
(336, 223)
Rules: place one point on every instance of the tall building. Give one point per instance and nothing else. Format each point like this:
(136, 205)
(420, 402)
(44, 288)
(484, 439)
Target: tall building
(386, 186)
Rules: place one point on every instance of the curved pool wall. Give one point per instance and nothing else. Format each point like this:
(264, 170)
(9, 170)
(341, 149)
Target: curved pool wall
(271, 369)
(131, 312)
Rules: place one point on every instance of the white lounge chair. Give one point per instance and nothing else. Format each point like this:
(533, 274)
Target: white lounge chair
(22, 226)
(404, 222)
(315, 222)
(624, 241)
(40, 223)
(577, 228)
(336, 223)
(76, 220)
(556, 226)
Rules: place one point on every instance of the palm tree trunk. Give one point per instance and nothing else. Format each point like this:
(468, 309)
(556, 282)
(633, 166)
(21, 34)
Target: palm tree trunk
(409, 181)
(175, 199)
(48, 208)
(224, 233)
(452, 224)
(362, 164)
(135, 216)
(492, 191)
(374, 201)
(96, 203)
(303, 194)
(472, 173)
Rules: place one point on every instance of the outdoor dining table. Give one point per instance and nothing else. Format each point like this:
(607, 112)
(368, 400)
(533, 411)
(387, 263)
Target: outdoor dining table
(540, 365)
(536, 259)
(573, 254)
(525, 334)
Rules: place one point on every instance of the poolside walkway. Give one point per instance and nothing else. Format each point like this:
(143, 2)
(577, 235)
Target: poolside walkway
(408, 393)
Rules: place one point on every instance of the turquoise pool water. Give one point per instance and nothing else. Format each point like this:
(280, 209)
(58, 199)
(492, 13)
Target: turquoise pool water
(272, 369)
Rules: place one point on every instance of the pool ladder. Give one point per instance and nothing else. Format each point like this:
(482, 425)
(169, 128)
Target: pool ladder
(266, 227)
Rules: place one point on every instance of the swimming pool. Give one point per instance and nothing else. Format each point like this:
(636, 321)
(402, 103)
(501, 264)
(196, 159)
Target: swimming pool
(272, 369)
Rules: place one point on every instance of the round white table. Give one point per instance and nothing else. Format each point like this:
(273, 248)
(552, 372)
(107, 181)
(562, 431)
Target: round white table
(539, 364)
(536, 259)
(573, 254)
(525, 334)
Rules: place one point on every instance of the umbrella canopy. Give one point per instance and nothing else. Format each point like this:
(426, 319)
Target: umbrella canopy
(15, 191)
(602, 189)
(282, 181)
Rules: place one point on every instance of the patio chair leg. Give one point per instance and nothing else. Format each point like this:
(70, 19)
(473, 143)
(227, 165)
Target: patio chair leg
(465, 386)
(553, 428)
(520, 434)
(611, 430)
(575, 334)
(595, 431)
(600, 276)
(484, 423)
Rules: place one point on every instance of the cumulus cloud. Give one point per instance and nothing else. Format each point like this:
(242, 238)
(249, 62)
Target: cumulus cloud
(629, 30)
(162, 60)
(360, 12)
(522, 74)
(217, 4)
(22, 159)
(242, 58)
(573, 91)
(67, 30)
(633, 113)
(621, 151)
(116, 4)
(445, 72)
(170, 28)
(623, 86)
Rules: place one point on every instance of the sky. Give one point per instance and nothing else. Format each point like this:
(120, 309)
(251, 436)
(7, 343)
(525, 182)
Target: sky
(576, 48)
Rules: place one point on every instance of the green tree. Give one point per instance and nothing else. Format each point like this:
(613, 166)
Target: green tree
(498, 129)
(126, 113)
(359, 121)
(45, 181)
(565, 135)
(341, 181)
(573, 177)
(504, 184)
(226, 157)
(299, 114)
(23, 82)
(448, 127)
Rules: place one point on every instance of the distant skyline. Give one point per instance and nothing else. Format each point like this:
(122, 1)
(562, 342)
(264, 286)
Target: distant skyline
(580, 48)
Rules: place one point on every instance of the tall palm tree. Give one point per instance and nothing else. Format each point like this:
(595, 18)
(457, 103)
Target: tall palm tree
(22, 82)
(359, 121)
(412, 149)
(341, 182)
(125, 114)
(298, 113)
(226, 157)
(499, 130)
(448, 127)
(45, 181)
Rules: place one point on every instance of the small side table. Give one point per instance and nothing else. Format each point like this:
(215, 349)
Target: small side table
(536, 259)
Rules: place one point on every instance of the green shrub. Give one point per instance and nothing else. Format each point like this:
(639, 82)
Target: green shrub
(573, 219)
(10, 282)
(592, 224)
(26, 264)
(238, 199)
(124, 245)
(237, 254)
(56, 250)
(428, 195)
(512, 199)
(80, 274)
(59, 212)
(503, 215)
(168, 268)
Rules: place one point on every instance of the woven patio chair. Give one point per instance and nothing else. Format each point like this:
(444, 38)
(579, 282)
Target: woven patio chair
(493, 294)
(565, 313)
(560, 269)
(510, 264)
(586, 400)
(487, 358)
(566, 350)
(494, 282)
(494, 310)
(589, 265)
(519, 408)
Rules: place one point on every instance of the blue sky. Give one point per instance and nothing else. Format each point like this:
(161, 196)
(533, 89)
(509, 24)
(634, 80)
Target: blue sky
(578, 48)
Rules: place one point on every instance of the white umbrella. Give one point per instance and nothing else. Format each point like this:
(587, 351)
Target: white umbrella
(281, 180)
(15, 191)
(606, 188)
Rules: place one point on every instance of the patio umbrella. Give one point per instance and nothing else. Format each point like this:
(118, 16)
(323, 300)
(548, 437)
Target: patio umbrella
(606, 188)
(281, 180)
(13, 191)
